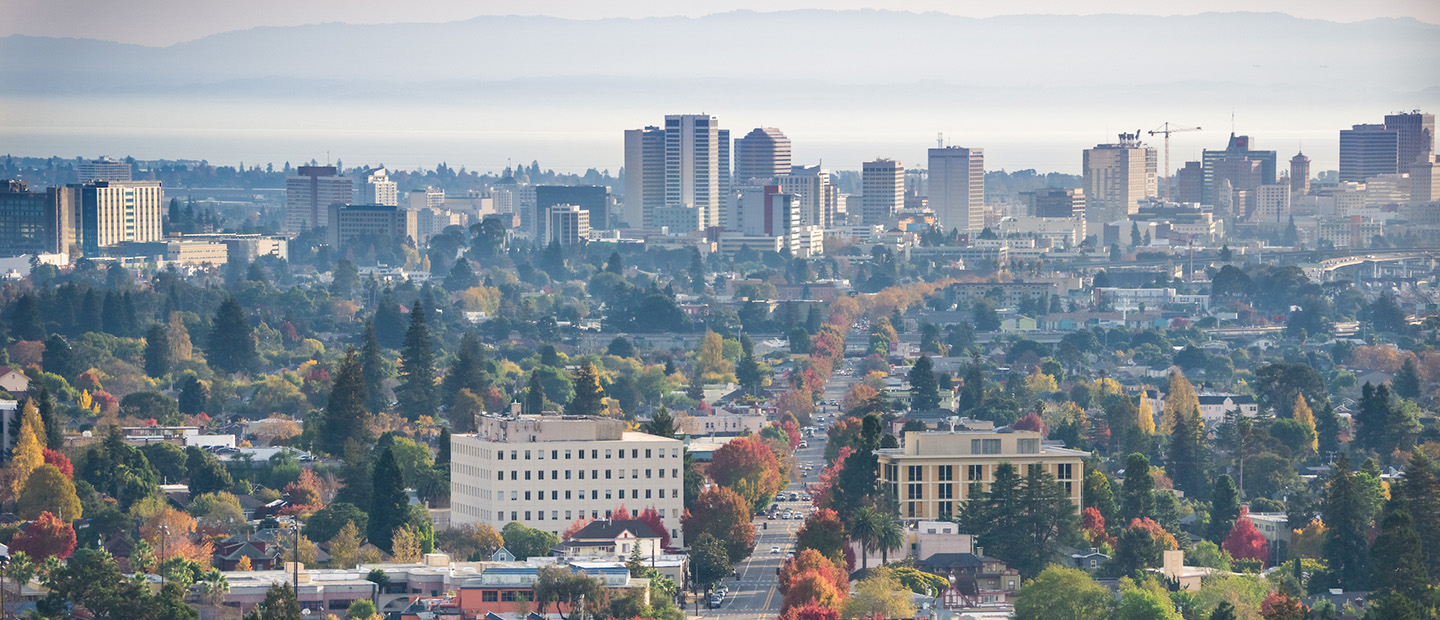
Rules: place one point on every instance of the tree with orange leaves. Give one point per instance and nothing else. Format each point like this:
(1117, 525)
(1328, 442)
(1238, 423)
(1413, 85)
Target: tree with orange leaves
(722, 513)
(812, 588)
(810, 612)
(747, 466)
(45, 537)
(812, 560)
(176, 539)
(1245, 542)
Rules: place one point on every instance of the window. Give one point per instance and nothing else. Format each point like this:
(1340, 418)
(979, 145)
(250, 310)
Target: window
(1065, 471)
(582, 454)
(527, 515)
(595, 454)
(975, 472)
(989, 446)
(554, 515)
(635, 473)
(567, 512)
(501, 454)
(947, 473)
(647, 473)
(514, 516)
(662, 472)
(675, 452)
(635, 453)
(946, 491)
(567, 474)
(527, 455)
(542, 516)
(540, 455)
(913, 492)
(554, 495)
(567, 455)
(946, 510)
(607, 454)
(594, 474)
(913, 473)
(622, 453)
(647, 453)
(513, 474)
(607, 474)
(567, 496)
(555, 454)
(513, 457)
(647, 493)
(1029, 446)
(607, 496)
(1069, 487)
(489, 596)
(527, 474)
(594, 494)
(911, 510)
(512, 498)
(527, 498)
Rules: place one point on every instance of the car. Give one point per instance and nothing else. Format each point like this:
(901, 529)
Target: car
(804, 444)
(805, 497)
(794, 497)
(715, 602)
(775, 549)
(770, 517)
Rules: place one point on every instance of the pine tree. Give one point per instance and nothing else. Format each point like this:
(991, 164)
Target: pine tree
(25, 322)
(1223, 611)
(589, 397)
(417, 394)
(345, 416)
(45, 405)
(747, 370)
(1371, 418)
(375, 369)
(1137, 500)
(1407, 381)
(59, 359)
(1224, 509)
(389, 322)
(1399, 563)
(534, 403)
(467, 370)
(924, 390)
(661, 424)
(157, 351)
(1327, 430)
(232, 343)
(1421, 492)
(1346, 524)
(389, 505)
(1187, 458)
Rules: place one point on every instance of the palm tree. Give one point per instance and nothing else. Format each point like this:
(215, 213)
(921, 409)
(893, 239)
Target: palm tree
(863, 524)
(214, 586)
(889, 534)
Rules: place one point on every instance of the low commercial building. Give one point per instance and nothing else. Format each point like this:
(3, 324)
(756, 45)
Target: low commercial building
(930, 474)
(351, 222)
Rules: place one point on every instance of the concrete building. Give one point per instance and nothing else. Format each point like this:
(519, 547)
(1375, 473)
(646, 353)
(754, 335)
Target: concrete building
(1367, 151)
(813, 192)
(594, 199)
(930, 474)
(1416, 136)
(1065, 231)
(1237, 147)
(544, 471)
(35, 222)
(1190, 183)
(428, 198)
(431, 221)
(245, 246)
(108, 213)
(686, 164)
(644, 174)
(376, 188)
(721, 424)
(1425, 181)
(350, 222)
(1118, 177)
(1300, 174)
(728, 244)
(103, 169)
(566, 225)
(310, 193)
(1011, 293)
(957, 187)
(763, 154)
(1055, 202)
(763, 210)
(882, 190)
(1272, 203)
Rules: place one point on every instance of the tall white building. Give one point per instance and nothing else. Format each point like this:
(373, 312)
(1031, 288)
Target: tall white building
(309, 194)
(957, 187)
(813, 193)
(111, 212)
(376, 188)
(686, 164)
(1117, 178)
(545, 471)
(764, 154)
(1272, 203)
(883, 190)
(567, 225)
(428, 198)
(103, 169)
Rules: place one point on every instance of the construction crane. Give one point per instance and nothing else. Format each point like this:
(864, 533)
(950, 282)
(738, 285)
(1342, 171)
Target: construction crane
(1166, 131)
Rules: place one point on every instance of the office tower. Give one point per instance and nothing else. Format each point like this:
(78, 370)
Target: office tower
(376, 188)
(594, 199)
(764, 154)
(765, 210)
(103, 169)
(309, 194)
(644, 174)
(580, 466)
(1416, 133)
(1190, 183)
(1117, 178)
(1300, 174)
(882, 185)
(428, 198)
(813, 193)
(1272, 203)
(687, 164)
(1425, 181)
(112, 212)
(351, 222)
(1054, 202)
(35, 222)
(566, 225)
(957, 187)
(1368, 151)
(1238, 146)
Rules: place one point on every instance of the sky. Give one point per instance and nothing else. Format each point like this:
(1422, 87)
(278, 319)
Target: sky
(165, 22)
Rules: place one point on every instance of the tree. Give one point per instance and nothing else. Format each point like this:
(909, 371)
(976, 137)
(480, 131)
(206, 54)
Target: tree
(417, 394)
(865, 525)
(880, 596)
(534, 400)
(467, 370)
(661, 424)
(1141, 546)
(157, 351)
(1180, 400)
(1245, 542)
(1187, 458)
(747, 466)
(48, 490)
(1224, 509)
(345, 416)
(710, 362)
(566, 589)
(747, 370)
(206, 473)
(811, 588)
(151, 404)
(375, 370)
(91, 580)
(1059, 593)
(1137, 494)
(724, 514)
(1347, 522)
(1097, 494)
(1141, 604)
(389, 503)
(1399, 557)
(1407, 381)
(193, 395)
(218, 512)
(462, 276)
(28, 454)
(1421, 493)
(709, 559)
(526, 541)
(280, 604)
(232, 343)
(1302, 414)
(46, 537)
(589, 396)
(361, 609)
(807, 560)
(924, 390)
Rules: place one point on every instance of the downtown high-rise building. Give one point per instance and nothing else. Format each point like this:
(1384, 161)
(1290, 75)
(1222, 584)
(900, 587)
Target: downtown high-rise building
(102, 169)
(35, 222)
(882, 184)
(1416, 137)
(376, 188)
(1368, 150)
(683, 167)
(764, 154)
(1118, 177)
(957, 188)
(1300, 174)
(1054, 202)
(1238, 147)
(113, 212)
(814, 195)
(309, 194)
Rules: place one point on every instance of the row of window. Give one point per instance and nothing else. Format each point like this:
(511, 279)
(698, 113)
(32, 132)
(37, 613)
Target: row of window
(555, 514)
(580, 454)
(594, 474)
(946, 473)
(916, 491)
(515, 496)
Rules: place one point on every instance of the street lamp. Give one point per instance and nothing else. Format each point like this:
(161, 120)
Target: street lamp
(4, 564)
(164, 531)
(295, 529)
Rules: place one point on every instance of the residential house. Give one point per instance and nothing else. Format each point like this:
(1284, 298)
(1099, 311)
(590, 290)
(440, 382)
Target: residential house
(612, 539)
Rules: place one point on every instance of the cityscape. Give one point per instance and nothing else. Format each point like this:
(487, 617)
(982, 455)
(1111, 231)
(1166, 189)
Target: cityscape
(743, 343)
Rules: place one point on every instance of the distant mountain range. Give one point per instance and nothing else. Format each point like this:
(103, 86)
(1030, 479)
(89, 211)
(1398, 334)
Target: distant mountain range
(912, 56)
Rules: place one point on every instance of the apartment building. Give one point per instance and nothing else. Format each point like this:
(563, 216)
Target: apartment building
(545, 471)
(930, 474)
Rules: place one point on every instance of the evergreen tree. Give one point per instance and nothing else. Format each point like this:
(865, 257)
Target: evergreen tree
(1049, 521)
(747, 370)
(462, 276)
(1098, 495)
(193, 394)
(389, 505)
(924, 390)
(1398, 556)
(1346, 523)
(467, 370)
(417, 394)
(615, 264)
(345, 279)
(1421, 493)
(1223, 611)
(375, 369)
(696, 272)
(534, 403)
(49, 418)
(157, 351)
(345, 416)
(589, 397)
(662, 424)
(59, 358)
(25, 322)
(972, 391)
(1327, 430)
(1137, 500)
(1187, 458)
(442, 449)
(232, 343)
(1224, 509)
(1407, 381)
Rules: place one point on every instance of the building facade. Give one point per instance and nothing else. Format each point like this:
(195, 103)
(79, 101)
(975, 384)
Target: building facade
(764, 154)
(594, 199)
(883, 190)
(1416, 136)
(1368, 150)
(109, 213)
(644, 174)
(1300, 174)
(350, 222)
(103, 169)
(930, 474)
(35, 222)
(1237, 147)
(813, 192)
(1117, 178)
(957, 187)
(685, 164)
(545, 471)
(1055, 202)
(567, 225)
(310, 193)
(376, 188)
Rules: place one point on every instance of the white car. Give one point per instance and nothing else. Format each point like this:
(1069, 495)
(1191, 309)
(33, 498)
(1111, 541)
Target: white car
(775, 549)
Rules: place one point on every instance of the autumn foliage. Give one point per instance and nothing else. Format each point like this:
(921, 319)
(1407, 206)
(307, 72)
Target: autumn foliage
(1280, 606)
(810, 612)
(722, 513)
(811, 560)
(1092, 524)
(60, 461)
(811, 587)
(747, 466)
(1245, 542)
(45, 537)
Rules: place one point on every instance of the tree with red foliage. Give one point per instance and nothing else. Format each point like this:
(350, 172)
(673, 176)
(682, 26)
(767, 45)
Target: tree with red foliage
(823, 532)
(1245, 542)
(812, 560)
(619, 513)
(60, 461)
(652, 518)
(812, 588)
(1280, 606)
(722, 513)
(1031, 422)
(578, 524)
(747, 466)
(810, 612)
(45, 537)
(820, 491)
(1092, 524)
(793, 431)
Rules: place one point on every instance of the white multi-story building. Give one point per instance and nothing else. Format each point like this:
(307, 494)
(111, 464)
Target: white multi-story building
(813, 192)
(545, 471)
(685, 164)
(1063, 230)
(103, 169)
(426, 198)
(309, 194)
(1272, 203)
(567, 225)
(107, 213)
(376, 188)
(883, 190)
(1117, 178)
(957, 187)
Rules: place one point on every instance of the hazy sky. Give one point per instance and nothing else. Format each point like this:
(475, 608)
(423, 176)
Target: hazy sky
(163, 22)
